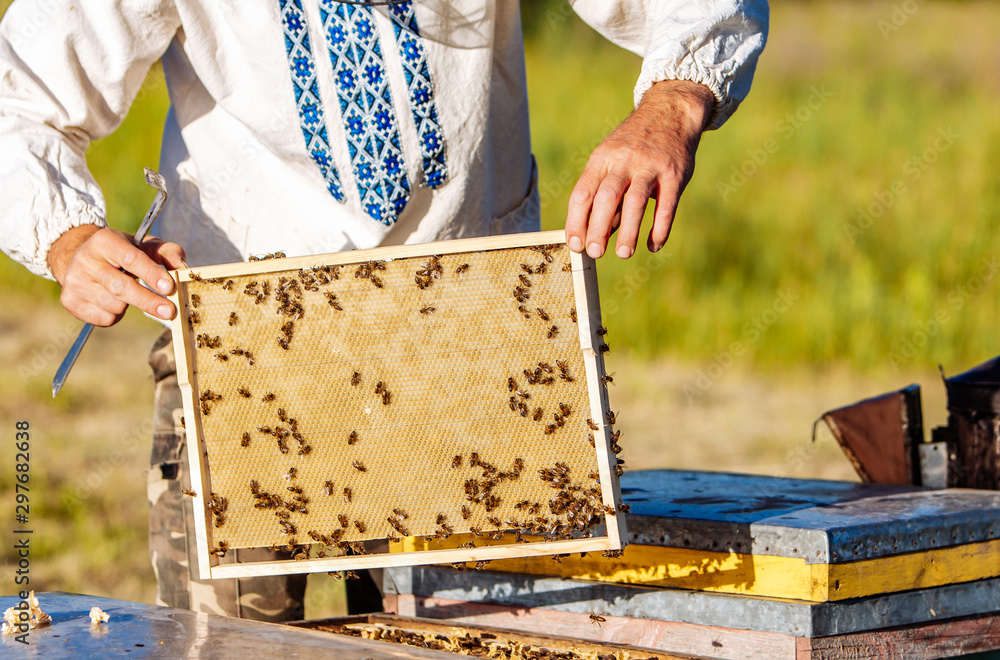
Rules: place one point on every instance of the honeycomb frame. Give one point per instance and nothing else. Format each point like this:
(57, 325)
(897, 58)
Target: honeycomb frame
(405, 394)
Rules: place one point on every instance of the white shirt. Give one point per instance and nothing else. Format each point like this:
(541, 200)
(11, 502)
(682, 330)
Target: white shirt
(240, 178)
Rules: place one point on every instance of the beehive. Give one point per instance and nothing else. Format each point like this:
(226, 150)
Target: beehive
(412, 391)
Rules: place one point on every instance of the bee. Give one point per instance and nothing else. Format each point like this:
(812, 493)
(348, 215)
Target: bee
(360, 525)
(205, 408)
(392, 537)
(567, 267)
(183, 426)
(441, 518)
(550, 428)
(524, 280)
(572, 314)
(221, 549)
(526, 268)
(512, 403)
(625, 508)
(604, 348)
(189, 493)
(608, 379)
(292, 474)
(220, 520)
(332, 300)
(520, 294)
(236, 351)
(427, 310)
(195, 277)
(249, 356)
(476, 531)
(565, 409)
(524, 311)
(466, 512)
(379, 388)
(511, 384)
(347, 495)
(457, 461)
(461, 269)
(553, 331)
(523, 394)
(268, 398)
(305, 450)
(243, 392)
(245, 441)
(328, 488)
(542, 314)
(602, 331)
(228, 286)
(386, 397)
(356, 379)
(400, 513)
(619, 470)
(352, 438)
(597, 619)
(195, 300)
(496, 522)
(591, 425)
(265, 288)
(221, 357)
(611, 417)
(377, 281)
(342, 519)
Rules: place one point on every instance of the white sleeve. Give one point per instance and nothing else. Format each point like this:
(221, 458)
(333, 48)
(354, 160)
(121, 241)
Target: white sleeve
(713, 42)
(68, 73)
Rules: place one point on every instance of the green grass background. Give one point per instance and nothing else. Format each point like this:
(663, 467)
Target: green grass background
(731, 255)
(783, 229)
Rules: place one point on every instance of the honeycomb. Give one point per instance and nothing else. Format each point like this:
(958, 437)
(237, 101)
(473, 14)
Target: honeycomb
(419, 396)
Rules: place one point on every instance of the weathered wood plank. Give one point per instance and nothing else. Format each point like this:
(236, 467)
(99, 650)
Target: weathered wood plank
(667, 636)
(920, 642)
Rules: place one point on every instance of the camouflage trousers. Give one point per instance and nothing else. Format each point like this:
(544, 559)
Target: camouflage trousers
(171, 524)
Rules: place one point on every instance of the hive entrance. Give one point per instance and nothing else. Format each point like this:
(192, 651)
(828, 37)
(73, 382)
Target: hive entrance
(385, 394)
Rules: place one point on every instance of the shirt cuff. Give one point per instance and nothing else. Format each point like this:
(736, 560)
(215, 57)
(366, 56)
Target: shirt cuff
(654, 71)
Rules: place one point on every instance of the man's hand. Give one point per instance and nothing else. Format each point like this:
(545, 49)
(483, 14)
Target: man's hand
(86, 260)
(650, 155)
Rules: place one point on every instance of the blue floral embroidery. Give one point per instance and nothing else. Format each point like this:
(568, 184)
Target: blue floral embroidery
(418, 80)
(366, 108)
(307, 101)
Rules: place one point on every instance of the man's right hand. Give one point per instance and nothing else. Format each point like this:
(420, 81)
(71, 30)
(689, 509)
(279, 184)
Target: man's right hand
(86, 261)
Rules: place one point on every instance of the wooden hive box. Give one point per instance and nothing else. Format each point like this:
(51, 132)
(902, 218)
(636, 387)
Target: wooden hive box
(342, 400)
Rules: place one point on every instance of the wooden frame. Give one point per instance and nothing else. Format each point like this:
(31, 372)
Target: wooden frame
(608, 535)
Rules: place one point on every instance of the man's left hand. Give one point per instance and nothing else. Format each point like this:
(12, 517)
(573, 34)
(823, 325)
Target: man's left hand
(649, 156)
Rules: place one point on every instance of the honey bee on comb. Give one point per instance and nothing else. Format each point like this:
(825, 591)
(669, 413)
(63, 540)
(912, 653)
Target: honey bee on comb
(553, 331)
(355, 378)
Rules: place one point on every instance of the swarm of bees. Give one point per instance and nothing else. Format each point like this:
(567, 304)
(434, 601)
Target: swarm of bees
(575, 506)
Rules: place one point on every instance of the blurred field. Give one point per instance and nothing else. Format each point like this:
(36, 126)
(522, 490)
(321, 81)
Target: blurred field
(709, 372)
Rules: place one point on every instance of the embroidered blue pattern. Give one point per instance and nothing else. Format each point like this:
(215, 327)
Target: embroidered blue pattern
(418, 81)
(307, 100)
(366, 109)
